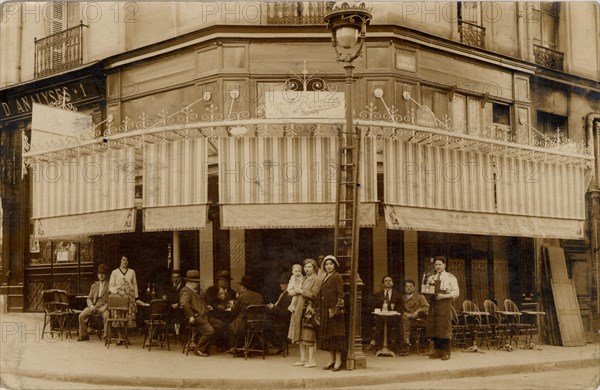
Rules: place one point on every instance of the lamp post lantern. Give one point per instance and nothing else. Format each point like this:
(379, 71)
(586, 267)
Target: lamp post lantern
(348, 26)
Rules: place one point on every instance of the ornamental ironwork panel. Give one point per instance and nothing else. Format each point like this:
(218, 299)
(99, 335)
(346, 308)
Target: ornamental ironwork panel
(471, 34)
(548, 58)
(59, 52)
(297, 12)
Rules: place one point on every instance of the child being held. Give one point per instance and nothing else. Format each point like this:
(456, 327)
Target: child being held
(295, 280)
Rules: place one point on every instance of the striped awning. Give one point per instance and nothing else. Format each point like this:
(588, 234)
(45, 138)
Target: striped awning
(440, 189)
(288, 182)
(99, 185)
(175, 185)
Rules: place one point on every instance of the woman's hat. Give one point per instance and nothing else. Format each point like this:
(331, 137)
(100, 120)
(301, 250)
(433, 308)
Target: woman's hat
(192, 276)
(102, 269)
(224, 275)
(248, 281)
(333, 259)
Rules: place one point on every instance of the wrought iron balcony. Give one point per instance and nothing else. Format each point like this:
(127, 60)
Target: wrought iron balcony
(297, 12)
(59, 52)
(471, 34)
(548, 58)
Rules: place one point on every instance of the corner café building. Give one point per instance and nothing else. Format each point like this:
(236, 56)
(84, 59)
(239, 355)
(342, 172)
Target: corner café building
(216, 155)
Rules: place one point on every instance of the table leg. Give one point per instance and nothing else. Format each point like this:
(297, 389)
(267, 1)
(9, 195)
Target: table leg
(384, 349)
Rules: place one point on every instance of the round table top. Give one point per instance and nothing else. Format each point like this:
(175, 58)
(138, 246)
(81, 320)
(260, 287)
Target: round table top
(389, 313)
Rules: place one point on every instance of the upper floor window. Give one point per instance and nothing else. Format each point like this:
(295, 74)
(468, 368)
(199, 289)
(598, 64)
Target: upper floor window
(469, 14)
(469, 11)
(551, 126)
(544, 19)
(62, 47)
(62, 16)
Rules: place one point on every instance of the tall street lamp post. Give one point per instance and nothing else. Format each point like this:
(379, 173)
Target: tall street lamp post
(348, 26)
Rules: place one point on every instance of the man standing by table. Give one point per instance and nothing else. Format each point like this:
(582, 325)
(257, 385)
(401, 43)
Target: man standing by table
(97, 303)
(415, 309)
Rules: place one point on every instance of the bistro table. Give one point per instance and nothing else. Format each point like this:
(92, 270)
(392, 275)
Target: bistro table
(385, 316)
(517, 316)
(537, 314)
(478, 315)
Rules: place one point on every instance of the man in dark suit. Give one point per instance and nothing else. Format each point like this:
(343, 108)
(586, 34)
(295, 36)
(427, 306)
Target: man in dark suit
(220, 298)
(195, 311)
(173, 297)
(246, 297)
(388, 298)
(97, 303)
(280, 315)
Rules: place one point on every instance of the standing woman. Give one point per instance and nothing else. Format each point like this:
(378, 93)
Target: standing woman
(332, 332)
(123, 282)
(307, 293)
(439, 321)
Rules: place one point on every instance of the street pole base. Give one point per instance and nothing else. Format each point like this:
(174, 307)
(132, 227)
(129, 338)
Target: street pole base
(359, 361)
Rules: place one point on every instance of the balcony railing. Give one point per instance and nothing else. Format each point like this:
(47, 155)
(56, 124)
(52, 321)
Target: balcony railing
(471, 34)
(548, 58)
(59, 52)
(297, 12)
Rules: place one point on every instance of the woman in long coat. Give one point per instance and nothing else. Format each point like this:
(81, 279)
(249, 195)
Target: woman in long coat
(439, 320)
(332, 332)
(307, 293)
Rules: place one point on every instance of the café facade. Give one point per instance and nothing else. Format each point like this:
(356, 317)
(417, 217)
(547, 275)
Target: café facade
(217, 150)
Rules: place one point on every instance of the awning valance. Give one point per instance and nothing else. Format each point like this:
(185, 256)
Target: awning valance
(175, 183)
(99, 186)
(449, 221)
(276, 182)
(454, 190)
(290, 216)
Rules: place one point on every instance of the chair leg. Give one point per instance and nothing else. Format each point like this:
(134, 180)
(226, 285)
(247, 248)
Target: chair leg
(262, 343)
(108, 334)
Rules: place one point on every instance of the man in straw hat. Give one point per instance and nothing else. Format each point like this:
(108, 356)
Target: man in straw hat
(246, 297)
(195, 310)
(97, 303)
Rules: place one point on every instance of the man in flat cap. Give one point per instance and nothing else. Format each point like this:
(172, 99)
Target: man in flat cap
(97, 303)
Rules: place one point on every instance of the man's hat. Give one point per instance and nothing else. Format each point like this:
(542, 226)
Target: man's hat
(248, 281)
(102, 269)
(284, 278)
(192, 276)
(224, 275)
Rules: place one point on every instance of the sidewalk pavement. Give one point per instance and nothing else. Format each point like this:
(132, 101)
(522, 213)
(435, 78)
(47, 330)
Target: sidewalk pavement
(24, 354)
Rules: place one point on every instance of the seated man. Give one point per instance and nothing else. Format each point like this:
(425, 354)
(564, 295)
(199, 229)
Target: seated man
(280, 315)
(195, 311)
(246, 297)
(415, 309)
(220, 297)
(393, 300)
(97, 303)
(172, 296)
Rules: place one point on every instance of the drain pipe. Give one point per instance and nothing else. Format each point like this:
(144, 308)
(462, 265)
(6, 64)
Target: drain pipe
(590, 119)
(592, 123)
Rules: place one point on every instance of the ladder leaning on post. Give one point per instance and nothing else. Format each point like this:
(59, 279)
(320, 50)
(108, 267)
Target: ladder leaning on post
(346, 224)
